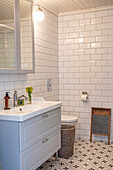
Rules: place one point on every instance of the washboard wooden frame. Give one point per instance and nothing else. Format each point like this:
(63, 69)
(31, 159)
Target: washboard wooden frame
(100, 122)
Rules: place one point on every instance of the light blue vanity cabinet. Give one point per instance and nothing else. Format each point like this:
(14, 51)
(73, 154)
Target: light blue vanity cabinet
(26, 145)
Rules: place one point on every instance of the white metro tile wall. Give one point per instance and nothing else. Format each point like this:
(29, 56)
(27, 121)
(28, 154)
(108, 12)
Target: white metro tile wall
(46, 64)
(86, 64)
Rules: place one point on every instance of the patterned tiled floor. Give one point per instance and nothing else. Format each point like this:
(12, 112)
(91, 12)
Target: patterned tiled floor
(87, 156)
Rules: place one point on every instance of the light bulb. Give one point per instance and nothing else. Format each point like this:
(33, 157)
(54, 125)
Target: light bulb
(39, 15)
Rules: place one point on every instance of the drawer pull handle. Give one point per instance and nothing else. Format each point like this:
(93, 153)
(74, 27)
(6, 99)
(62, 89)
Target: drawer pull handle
(44, 141)
(45, 116)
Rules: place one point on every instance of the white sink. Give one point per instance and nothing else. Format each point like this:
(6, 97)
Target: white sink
(22, 113)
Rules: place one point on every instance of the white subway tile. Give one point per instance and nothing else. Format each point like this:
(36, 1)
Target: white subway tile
(95, 45)
(108, 32)
(84, 22)
(110, 63)
(101, 63)
(101, 99)
(78, 40)
(79, 63)
(110, 12)
(84, 126)
(96, 21)
(67, 18)
(68, 29)
(101, 75)
(108, 19)
(79, 52)
(89, 51)
(101, 87)
(78, 16)
(68, 52)
(74, 70)
(63, 24)
(96, 33)
(90, 27)
(68, 41)
(74, 46)
(73, 23)
(85, 34)
(2, 88)
(110, 25)
(73, 35)
(95, 69)
(90, 63)
(110, 50)
(90, 15)
(101, 51)
(84, 69)
(86, 45)
(69, 75)
(79, 28)
(85, 81)
(8, 86)
(101, 38)
(90, 75)
(74, 58)
(90, 39)
(102, 26)
(84, 57)
(102, 13)
(68, 64)
(79, 75)
(74, 81)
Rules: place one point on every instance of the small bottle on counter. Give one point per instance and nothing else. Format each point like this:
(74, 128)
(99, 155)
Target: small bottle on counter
(7, 103)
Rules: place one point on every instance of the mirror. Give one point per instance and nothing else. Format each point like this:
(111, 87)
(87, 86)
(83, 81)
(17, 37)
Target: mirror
(16, 36)
(7, 35)
(26, 35)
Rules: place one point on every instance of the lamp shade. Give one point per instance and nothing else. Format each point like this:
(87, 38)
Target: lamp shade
(39, 15)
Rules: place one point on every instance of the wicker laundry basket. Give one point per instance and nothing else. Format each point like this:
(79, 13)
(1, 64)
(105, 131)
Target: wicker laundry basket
(67, 141)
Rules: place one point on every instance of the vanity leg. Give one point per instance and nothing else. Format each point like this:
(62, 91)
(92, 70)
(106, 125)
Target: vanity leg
(56, 156)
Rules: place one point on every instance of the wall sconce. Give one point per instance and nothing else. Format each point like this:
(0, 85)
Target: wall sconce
(38, 15)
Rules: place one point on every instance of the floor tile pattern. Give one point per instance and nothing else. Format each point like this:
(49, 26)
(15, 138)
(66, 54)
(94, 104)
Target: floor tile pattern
(87, 156)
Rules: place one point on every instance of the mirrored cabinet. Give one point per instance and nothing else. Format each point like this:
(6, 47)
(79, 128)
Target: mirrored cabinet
(16, 37)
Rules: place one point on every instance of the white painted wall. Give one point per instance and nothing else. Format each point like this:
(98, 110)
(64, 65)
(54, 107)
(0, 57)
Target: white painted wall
(86, 64)
(46, 64)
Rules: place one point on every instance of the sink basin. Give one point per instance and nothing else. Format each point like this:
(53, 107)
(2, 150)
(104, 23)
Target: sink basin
(27, 111)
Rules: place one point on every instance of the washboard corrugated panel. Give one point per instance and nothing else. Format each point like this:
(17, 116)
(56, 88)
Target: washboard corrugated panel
(100, 122)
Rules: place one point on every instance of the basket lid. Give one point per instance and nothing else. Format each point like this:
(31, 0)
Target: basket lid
(67, 118)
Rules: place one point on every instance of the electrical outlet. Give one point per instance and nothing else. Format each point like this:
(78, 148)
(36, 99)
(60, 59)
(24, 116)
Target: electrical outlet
(49, 84)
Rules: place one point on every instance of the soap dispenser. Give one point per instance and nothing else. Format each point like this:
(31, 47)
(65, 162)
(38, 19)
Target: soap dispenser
(7, 97)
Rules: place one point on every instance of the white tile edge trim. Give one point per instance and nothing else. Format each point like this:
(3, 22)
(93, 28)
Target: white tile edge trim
(86, 10)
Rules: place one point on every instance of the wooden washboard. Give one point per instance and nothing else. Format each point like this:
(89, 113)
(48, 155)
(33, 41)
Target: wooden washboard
(100, 122)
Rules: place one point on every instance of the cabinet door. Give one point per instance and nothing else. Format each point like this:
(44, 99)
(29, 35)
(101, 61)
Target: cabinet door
(26, 37)
(7, 36)
(16, 37)
(38, 153)
(34, 130)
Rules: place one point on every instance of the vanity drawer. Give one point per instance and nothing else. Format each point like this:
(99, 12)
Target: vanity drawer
(34, 156)
(35, 129)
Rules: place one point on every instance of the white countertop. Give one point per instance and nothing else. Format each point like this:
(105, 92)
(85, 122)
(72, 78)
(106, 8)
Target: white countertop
(22, 113)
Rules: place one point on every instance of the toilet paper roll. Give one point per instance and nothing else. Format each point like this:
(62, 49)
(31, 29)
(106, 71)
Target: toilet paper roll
(84, 97)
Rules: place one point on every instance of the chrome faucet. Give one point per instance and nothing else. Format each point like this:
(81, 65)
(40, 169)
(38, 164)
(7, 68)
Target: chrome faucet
(17, 98)
(21, 97)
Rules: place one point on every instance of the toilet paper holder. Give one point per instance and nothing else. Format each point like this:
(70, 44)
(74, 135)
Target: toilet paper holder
(84, 96)
(85, 92)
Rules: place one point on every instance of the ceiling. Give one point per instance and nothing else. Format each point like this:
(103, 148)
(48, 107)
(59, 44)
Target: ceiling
(61, 6)
(54, 6)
